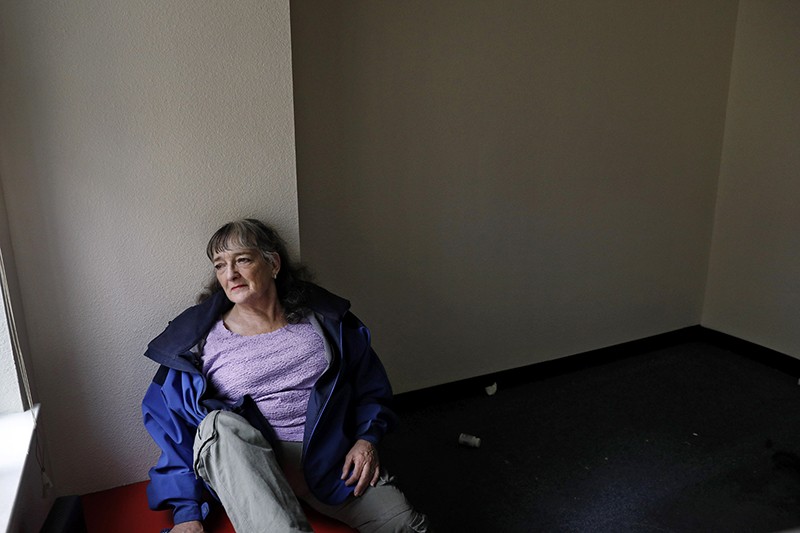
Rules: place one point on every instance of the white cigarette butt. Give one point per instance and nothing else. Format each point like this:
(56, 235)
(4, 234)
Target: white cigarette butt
(472, 441)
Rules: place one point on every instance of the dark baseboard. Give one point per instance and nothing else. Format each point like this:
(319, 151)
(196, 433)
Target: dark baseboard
(66, 516)
(530, 373)
(538, 371)
(751, 350)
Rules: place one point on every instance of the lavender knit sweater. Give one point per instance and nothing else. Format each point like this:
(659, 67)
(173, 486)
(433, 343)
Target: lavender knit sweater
(276, 369)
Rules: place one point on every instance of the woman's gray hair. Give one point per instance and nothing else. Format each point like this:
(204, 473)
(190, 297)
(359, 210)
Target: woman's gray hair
(249, 234)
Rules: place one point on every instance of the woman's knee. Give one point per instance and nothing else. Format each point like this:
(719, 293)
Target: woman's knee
(225, 442)
(206, 431)
(226, 424)
(391, 511)
(409, 521)
(224, 430)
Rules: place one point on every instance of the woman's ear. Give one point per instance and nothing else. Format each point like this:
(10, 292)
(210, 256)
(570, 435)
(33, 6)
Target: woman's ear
(275, 259)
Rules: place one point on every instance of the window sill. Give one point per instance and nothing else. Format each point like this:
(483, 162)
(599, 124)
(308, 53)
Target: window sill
(17, 430)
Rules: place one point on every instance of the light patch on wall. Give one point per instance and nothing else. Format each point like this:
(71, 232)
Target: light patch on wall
(10, 397)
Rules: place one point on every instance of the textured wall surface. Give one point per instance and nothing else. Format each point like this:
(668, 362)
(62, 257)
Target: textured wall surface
(754, 277)
(131, 131)
(10, 394)
(491, 183)
(495, 184)
(10, 398)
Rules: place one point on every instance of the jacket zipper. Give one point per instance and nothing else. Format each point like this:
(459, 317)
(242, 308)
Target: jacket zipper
(330, 395)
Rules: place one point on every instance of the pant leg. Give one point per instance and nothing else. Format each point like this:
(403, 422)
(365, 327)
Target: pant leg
(381, 509)
(237, 462)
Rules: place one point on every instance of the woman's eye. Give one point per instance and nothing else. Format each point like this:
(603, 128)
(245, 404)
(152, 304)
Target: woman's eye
(218, 266)
(243, 260)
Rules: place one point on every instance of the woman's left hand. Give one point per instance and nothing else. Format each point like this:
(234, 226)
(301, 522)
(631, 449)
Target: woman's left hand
(362, 466)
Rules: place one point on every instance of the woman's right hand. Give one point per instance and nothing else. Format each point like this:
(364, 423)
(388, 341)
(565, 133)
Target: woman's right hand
(195, 526)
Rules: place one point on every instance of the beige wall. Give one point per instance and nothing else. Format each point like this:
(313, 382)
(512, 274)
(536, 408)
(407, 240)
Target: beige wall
(492, 183)
(10, 396)
(754, 279)
(495, 184)
(131, 130)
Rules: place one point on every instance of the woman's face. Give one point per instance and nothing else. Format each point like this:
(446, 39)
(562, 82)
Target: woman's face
(245, 275)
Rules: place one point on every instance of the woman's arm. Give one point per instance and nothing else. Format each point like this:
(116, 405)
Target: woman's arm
(171, 420)
(372, 395)
(374, 417)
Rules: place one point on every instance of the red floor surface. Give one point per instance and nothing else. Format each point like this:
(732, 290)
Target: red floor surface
(125, 509)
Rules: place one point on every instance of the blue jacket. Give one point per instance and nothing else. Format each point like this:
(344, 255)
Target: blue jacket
(348, 402)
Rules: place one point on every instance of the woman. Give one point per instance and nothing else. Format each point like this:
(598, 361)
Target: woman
(269, 391)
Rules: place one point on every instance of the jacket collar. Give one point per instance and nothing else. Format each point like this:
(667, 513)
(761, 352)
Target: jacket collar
(173, 345)
(185, 330)
(327, 304)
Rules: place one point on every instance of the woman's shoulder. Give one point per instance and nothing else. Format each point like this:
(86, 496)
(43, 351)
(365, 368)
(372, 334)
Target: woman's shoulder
(326, 303)
(186, 329)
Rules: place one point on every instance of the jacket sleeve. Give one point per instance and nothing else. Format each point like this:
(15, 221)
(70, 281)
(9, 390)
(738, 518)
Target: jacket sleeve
(171, 416)
(372, 391)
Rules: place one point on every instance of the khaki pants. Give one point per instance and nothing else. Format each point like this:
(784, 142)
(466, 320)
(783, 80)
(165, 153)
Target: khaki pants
(259, 486)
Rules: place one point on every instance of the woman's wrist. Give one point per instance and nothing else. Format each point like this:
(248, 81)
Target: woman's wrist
(192, 526)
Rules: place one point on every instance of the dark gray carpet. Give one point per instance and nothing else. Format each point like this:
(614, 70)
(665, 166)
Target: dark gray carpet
(693, 437)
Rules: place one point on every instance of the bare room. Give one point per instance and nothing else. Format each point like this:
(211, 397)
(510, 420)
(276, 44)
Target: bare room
(570, 226)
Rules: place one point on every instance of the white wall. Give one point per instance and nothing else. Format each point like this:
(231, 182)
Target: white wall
(10, 394)
(10, 397)
(754, 278)
(132, 129)
(492, 184)
(496, 184)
